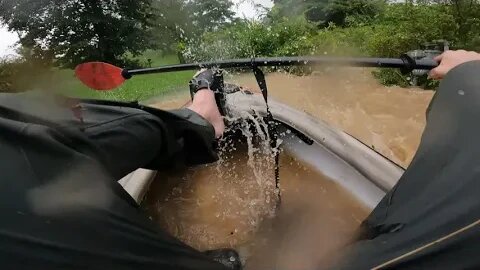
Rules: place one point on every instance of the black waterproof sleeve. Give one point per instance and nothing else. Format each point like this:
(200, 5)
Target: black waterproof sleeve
(60, 204)
(132, 138)
(430, 220)
(127, 136)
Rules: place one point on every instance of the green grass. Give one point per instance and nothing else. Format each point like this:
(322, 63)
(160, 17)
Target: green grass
(138, 88)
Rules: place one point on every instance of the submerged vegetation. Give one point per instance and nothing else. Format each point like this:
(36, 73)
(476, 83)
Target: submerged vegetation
(168, 31)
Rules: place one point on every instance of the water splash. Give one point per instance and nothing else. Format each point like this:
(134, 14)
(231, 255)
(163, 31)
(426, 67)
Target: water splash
(223, 204)
(261, 157)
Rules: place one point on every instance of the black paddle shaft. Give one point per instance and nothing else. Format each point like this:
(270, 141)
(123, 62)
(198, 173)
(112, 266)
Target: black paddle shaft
(405, 63)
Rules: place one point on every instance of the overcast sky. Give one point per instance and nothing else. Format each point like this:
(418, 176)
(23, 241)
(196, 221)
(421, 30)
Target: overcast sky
(7, 39)
(243, 8)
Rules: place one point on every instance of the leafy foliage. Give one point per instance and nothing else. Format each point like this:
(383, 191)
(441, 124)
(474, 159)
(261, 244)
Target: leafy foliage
(375, 28)
(403, 27)
(7, 71)
(209, 15)
(179, 21)
(172, 24)
(325, 12)
(249, 39)
(18, 75)
(74, 31)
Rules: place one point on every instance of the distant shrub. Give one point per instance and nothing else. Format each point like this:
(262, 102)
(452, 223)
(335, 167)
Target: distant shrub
(8, 70)
(250, 39)
(18, 75)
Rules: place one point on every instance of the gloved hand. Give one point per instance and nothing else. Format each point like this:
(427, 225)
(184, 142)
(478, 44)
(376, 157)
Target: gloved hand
(207, 79)
(212, 80)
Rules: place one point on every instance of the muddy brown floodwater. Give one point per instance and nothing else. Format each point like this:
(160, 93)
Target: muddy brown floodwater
(222, 205)
(389, 119)
(218, 205)
(231, 205)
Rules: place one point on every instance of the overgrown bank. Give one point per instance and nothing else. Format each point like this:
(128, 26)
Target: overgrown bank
(393, 30)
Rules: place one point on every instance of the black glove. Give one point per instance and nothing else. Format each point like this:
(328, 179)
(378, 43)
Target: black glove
(213, 80)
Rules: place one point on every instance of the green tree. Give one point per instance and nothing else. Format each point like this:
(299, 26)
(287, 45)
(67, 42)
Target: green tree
(292, 8)
(340, 11)
(74, 31)
(180, 22)
(210, 15)
(325, 12)
(172, 25)
(467, 18)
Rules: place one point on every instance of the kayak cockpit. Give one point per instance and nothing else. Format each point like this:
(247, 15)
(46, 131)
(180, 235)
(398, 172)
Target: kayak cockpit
(328, 179)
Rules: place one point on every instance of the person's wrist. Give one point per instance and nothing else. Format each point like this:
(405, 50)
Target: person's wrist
(204, 93)
(203, 89)
(204, 98)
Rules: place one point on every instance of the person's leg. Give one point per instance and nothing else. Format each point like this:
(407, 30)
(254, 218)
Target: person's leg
(131, 138)
(429, 221)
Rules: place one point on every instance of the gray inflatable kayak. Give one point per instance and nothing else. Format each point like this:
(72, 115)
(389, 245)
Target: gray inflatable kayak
(366, 174)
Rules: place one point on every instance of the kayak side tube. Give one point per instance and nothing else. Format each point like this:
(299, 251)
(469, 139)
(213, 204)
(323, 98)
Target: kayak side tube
(362, 171)
(365, 173)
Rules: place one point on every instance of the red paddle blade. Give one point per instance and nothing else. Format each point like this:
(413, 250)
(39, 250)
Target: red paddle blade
(99, 76)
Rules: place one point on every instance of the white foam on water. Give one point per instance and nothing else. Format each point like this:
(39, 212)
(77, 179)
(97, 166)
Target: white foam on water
(223, 204)
(260, 160)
